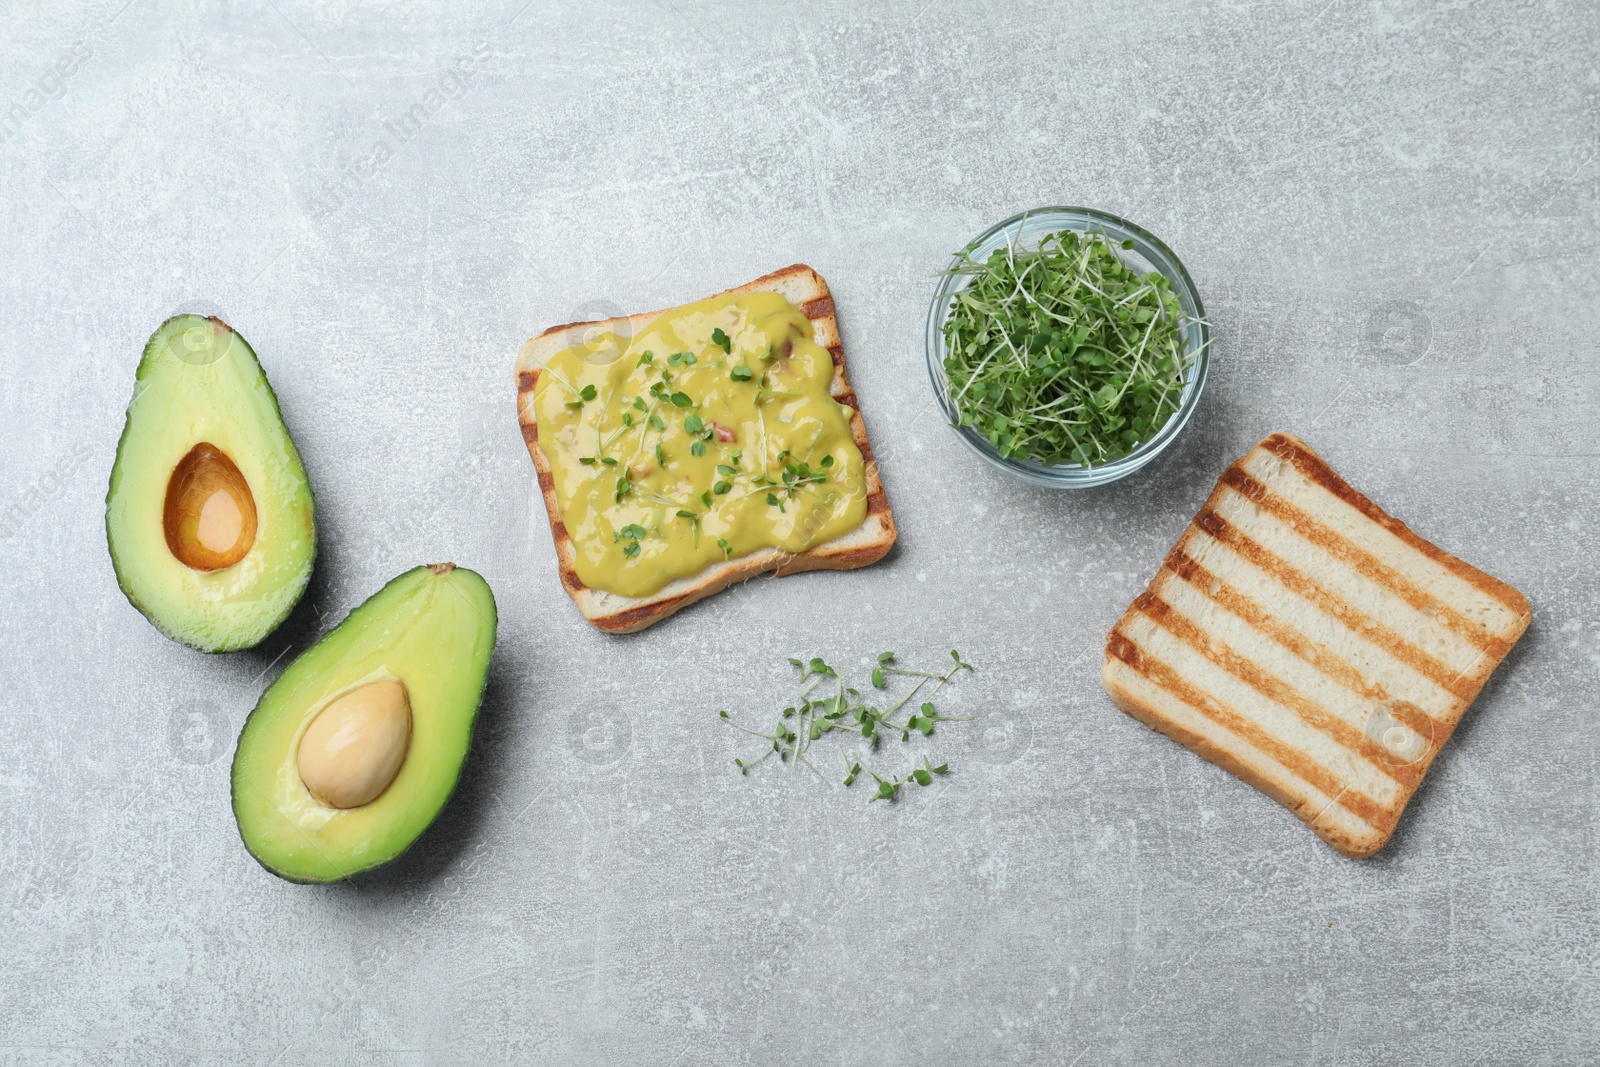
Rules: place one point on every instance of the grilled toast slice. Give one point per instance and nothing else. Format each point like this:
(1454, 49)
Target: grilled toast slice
(867, 543)
(1313, 645)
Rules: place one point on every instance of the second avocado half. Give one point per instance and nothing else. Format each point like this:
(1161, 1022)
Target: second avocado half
(356, 747)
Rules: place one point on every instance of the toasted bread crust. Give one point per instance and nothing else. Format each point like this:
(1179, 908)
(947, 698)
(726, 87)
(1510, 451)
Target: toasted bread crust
(1355, 802)
(867, 544)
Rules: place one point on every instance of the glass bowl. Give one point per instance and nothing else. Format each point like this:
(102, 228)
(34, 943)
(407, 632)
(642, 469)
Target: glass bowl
(1147, 254)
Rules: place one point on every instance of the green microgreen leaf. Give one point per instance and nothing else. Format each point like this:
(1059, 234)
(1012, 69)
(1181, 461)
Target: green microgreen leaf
(681, 400)
(741, 373)
(721, 339)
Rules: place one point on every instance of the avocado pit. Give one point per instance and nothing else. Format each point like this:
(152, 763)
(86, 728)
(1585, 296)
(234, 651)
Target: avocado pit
(356, 745)
(209, 516)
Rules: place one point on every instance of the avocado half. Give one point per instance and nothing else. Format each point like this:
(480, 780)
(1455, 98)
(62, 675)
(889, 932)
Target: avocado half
(209, 517)
(433, 629)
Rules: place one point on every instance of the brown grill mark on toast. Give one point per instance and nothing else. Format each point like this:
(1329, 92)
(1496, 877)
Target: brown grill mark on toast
(820, 308)
(1229, 760)
(1287, 756)
(1218, 653)
(1317, 656)
(1119, 647)
(1364, 562)
(1312, 466)
(1257, 678)
(1351, 616)
(867, 544)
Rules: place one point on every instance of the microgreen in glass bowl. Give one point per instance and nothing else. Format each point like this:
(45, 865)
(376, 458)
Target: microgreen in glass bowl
(1067, 346)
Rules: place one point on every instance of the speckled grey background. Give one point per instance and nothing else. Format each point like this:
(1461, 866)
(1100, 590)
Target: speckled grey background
(1391, 211)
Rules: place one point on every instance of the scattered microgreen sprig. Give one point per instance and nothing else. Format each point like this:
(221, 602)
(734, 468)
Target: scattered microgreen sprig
(842, 709)
(1063, 353)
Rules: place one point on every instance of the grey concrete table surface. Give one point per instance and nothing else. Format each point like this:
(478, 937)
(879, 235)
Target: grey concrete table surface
(1391, 210)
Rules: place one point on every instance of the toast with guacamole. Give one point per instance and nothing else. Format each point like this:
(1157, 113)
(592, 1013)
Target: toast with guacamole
(680, 451)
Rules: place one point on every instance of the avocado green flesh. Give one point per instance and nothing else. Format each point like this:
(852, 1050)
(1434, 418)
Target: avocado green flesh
(434, 632)
(217, 394)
